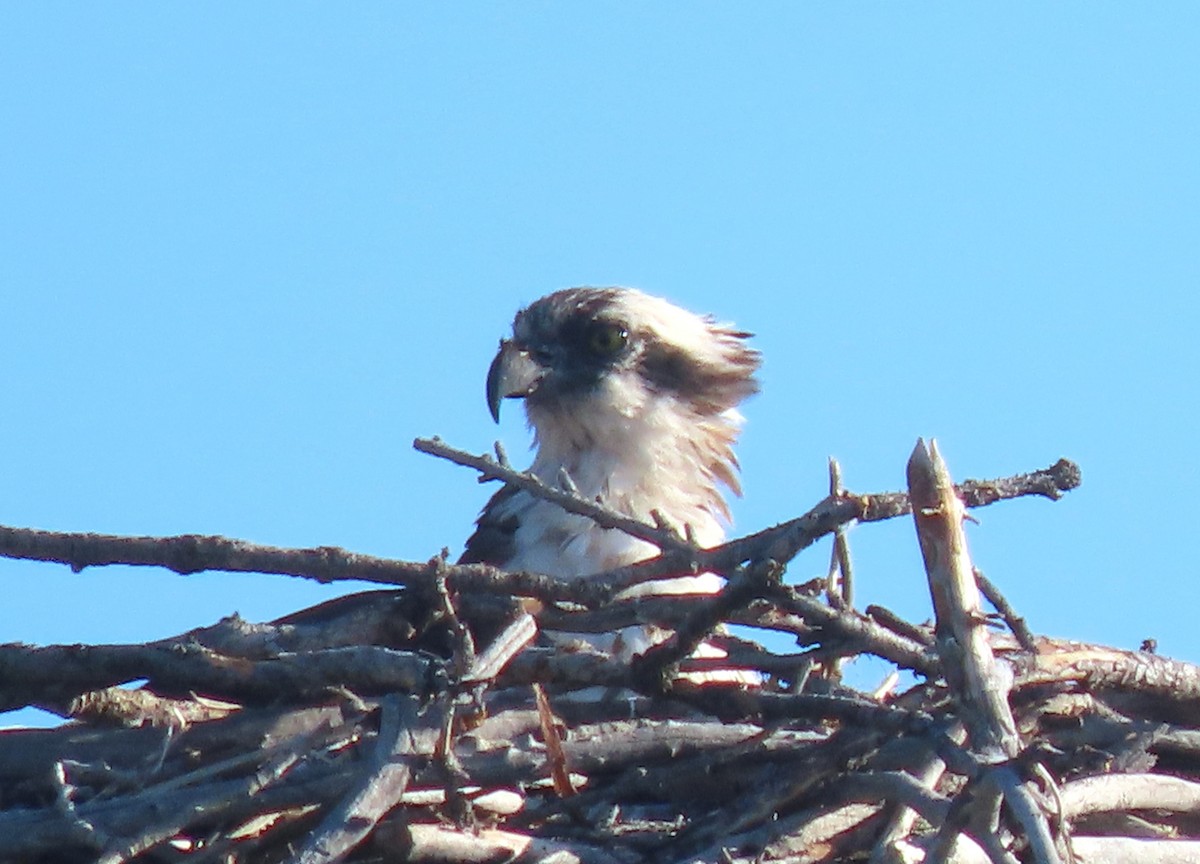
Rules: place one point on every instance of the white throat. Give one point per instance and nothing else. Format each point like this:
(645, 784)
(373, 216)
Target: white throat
(653, 456)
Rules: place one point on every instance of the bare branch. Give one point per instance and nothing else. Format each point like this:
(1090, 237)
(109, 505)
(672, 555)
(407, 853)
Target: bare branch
(567, 498)
(53, 675)
(1014, 621)
(784, 541)
(1099, 667)
(1129, 792)
(378, 790)
(500, 653)
(841, 573)
(192, 553)
(1135, 850)
(657, 665)
(962, 638)
(979, 682)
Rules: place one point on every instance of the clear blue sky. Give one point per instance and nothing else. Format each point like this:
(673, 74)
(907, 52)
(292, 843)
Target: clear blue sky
(250, 251)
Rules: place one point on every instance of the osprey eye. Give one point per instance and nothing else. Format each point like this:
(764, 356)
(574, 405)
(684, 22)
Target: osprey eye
(605, 340)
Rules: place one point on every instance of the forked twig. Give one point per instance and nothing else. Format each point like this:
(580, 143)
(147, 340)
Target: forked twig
(567, 497)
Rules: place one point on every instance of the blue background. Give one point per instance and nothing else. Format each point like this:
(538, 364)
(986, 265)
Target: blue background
(249, 251)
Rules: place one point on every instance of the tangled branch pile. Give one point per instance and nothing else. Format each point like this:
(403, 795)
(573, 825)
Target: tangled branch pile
(372, 729)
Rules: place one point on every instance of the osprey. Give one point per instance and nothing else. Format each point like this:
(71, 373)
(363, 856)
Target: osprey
(635, 399)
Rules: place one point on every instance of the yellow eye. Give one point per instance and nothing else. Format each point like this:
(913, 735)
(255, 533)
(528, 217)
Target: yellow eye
(606, 340)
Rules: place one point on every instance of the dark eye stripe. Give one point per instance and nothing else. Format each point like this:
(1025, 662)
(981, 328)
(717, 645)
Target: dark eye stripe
(711, 389)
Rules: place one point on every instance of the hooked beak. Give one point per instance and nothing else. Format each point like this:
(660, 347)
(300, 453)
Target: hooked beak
(514, 374)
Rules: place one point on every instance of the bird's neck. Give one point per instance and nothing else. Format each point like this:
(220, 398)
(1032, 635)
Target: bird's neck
(659, 459)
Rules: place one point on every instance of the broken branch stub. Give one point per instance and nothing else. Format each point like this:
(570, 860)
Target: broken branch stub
(961, 634)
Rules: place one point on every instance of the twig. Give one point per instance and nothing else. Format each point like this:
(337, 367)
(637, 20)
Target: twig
(784, 541)
(139, 707)
(438, 844)
(581, 668)
(858, 630)
(1014, 621)
(839, 588)
(784, 608)
(317, 739)
(887, 618)
(894, 788)
(76, 828)
(380, 788)
(903, 816)
(559, 769)
(1026, 812)
(841, 573)
(568, 498)
(972, 814)
(462, 659)
(511, 641)
(656, 667)
(207, 802)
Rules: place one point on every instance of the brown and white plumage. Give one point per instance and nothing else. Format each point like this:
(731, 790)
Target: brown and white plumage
(635, 399)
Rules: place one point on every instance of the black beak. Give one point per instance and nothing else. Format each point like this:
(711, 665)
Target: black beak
(514, 374)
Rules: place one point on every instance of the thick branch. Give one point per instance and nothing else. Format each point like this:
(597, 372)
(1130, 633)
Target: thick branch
(193, 553)
(1126, 792)
(979, 682)
(1101, 668)
(377, 791)
(52, 675)
(961, 631)
(784, 541)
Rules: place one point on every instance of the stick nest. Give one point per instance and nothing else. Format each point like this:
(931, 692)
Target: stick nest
(450, 718)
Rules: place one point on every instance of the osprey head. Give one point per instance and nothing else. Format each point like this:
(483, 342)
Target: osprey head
(617, 350)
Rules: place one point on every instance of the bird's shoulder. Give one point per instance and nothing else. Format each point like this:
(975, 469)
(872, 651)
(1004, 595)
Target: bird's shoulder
(494, 540)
